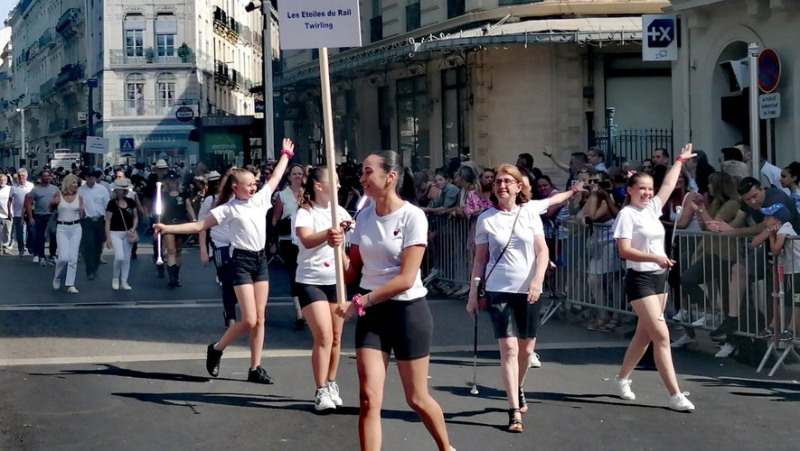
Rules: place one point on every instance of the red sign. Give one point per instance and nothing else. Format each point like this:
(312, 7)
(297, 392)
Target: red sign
(769, 70)
(184, 114)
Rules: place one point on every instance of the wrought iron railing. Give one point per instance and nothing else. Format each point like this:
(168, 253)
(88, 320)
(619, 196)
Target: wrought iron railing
(152, 108)
(633, 144)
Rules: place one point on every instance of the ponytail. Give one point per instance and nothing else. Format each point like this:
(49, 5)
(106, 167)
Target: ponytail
(226, 193)
(306, 195)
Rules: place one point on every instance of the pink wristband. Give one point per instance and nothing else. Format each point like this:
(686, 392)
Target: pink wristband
(287, 152)
(680, 159)
(359, 304)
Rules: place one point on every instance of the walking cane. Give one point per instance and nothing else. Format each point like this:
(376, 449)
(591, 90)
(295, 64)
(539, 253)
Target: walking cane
(474, 390)
(159, 211)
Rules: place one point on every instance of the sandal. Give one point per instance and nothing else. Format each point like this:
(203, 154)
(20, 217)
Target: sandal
(610, 326)
(514, 423)
(523, 403)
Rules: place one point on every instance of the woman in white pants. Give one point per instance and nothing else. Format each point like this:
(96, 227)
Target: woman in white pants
(69, 205)
(121, 222)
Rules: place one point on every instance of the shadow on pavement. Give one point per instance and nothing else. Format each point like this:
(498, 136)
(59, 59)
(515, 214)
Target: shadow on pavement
(112, 370)
(780, 391)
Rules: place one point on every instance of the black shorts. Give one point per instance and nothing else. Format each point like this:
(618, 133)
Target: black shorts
(513, 316)
(249, 267)
(405, 327)
(640, 284)
(313, 293)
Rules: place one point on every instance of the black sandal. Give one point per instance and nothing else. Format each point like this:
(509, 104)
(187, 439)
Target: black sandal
(523, 403)
(514, 424)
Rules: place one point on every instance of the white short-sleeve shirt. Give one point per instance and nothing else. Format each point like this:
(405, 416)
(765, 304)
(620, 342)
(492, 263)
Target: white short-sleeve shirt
(644, 229)
(18, 193)
(513, 272)
(316, 266)
(220, 234)
(246, 220)
(381, 241)
(790, 257)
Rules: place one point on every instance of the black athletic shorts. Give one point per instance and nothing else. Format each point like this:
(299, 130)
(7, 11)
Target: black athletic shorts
(405, 327)
(640, 284)
(513, 316)
(313, 293)
(249, 267)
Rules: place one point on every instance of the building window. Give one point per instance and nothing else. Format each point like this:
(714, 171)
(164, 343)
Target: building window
(455, 107)
(413, 122)
(166, 44)
(166, 90)
(134, 42)
(455, 8)
(376, 29)
(412, 15)
(134, 94)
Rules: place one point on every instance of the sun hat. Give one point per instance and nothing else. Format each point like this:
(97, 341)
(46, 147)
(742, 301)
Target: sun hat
(213, 175)
(121, 184)
(161, 164)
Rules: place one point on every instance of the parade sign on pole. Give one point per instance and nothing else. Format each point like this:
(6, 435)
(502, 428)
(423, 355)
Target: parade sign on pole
(309, 24)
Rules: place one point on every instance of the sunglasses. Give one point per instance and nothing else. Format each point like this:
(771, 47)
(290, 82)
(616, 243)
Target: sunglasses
(501, 182)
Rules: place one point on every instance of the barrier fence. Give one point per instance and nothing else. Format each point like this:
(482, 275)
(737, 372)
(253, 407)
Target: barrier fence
(720, 283)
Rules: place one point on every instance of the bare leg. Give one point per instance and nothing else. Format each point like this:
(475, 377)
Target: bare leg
(371, 365)
(245, 296)
(414, 375)
(336, 345)
(525, 350)
(509, 366)
(261, 291)
(318, 315)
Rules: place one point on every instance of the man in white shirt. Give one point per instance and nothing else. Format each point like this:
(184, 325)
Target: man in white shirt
(16, 208)
(5, 218)
(597, 159)
(768, 170)
(95, 200)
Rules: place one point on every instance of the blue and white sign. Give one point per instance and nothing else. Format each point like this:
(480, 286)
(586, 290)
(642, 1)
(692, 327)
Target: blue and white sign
(311, 24)
(126, 146)
(659, 37)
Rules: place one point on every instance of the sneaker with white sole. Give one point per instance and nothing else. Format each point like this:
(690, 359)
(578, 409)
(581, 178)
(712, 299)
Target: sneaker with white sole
(115, 284)
(703, 320)
(322, 399)
(56, 284)
(72, 290)
(125, 286)
(333, 389)
(534, 362)
(623, 387)
(682, 316)
(725, 351)
(683, 341)
(36, 259)
(680, 403)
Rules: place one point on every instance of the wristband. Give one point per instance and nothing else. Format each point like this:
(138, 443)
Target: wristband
(680, 159)
(287, 152)
(359, 304)
(574, 190)
(369, 299)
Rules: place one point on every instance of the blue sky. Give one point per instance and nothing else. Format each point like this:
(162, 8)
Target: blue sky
(5, 7)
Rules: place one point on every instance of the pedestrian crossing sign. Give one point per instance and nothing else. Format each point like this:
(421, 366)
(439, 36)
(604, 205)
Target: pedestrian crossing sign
(126, 146)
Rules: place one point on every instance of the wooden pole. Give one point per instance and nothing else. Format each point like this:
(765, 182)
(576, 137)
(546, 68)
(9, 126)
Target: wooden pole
(330, 156)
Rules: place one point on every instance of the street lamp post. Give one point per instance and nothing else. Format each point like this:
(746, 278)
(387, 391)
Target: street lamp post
(22, 147)
(266, 57)
(91, 83)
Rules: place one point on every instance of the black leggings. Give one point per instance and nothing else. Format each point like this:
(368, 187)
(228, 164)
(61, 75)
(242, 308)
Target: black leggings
(289, 256)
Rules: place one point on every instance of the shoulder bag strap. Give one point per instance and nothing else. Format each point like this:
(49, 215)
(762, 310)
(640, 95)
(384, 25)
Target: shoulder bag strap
(504, 247)
(122, 214)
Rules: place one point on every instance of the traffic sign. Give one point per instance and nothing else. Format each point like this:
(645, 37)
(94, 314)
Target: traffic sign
(769, 106)
(769, 70)
(659, 37)
(311, 24)
(126, 146)
(96, 145)
(184, 114)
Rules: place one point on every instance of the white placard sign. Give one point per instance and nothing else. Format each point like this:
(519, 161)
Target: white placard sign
(96, 144)
(769, 106)
(311, 24)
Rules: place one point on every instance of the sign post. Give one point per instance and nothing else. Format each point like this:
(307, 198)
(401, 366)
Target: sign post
(308, 24)
(769, 103)
(755, 125)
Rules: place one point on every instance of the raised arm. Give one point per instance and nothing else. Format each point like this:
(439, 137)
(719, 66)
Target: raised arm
(671, 178)
(277, 174)
(559, 164)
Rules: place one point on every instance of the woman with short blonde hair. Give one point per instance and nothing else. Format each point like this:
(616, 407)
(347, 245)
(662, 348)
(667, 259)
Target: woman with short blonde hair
(69, 205)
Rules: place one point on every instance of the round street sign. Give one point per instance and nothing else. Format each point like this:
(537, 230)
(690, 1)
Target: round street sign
(769, 70)
(184, 114)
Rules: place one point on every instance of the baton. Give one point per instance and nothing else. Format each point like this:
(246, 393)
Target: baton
(159, 211)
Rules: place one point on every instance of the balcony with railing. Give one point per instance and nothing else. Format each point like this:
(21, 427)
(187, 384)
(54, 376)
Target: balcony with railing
(69, 73)
(150, 108)
(127, 57)
(48, 38)
(67, 24)
(222, 72)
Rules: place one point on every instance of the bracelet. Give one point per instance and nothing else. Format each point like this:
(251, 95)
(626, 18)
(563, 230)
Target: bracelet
(287, 152)
(369, 299)
(359, 304)
(680, 159)
(574, 190)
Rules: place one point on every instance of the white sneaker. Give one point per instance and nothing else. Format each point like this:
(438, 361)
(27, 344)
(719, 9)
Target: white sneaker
(103, 260)
(36, 259)
(534, 362)
(431, 275)
(725, 351)
(125, 286)
(56, 284)
(680, 403)
(703, 320)
(72, 290)
(682, 316)
(115, 284)
(683, 341)
(322, 399)
(333, 389)
(623, 387)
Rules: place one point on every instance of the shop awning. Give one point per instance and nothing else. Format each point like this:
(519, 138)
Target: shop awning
(149, 129)
(584, 31)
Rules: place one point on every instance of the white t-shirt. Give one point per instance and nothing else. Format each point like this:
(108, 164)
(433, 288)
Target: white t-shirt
(513, 272)
(5, 193)
(246, 220)
(316, 266)
(18, 194)
(790, 257)
(289, 202)
(645, 231)
(773, 174)
(220, 234)
(95, 200)
(381, 241)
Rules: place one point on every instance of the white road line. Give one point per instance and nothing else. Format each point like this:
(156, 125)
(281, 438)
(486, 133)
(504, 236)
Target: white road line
(278, 301)
(281, 353)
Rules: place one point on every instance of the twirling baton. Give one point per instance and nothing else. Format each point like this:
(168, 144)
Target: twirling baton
(159, 211)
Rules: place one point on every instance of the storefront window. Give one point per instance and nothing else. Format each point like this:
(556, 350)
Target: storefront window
(413, 122)
(455, 110)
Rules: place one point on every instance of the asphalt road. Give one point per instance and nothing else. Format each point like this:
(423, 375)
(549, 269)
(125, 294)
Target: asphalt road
(111, 370)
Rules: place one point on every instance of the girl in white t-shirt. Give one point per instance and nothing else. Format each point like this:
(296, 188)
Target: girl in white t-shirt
(316, 280)
(513, 278)
(282, 217)
(245, 215)
(640, 240)
(386, 249)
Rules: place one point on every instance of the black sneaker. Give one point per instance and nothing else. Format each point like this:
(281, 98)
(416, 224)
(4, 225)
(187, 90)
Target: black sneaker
(212, 360)
(786, 335)
(766, 333)
(259, 376)
(728, 326)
